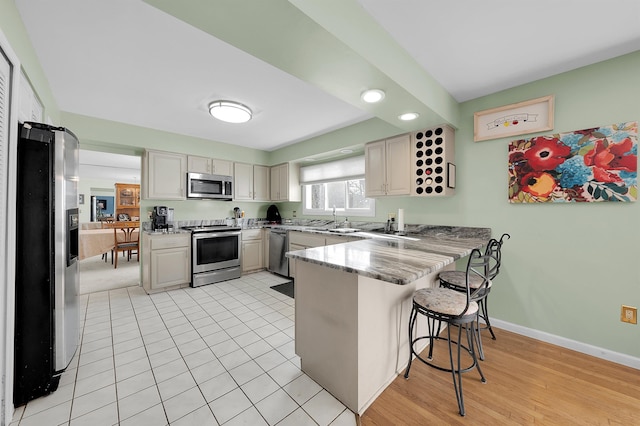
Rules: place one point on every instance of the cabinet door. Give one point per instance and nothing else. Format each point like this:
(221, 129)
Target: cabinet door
(306, 239)
(280, 182)
(127, 195)
(261, 179)
(169, 267)
(252, 256)
(221, 167)
(167, 177)
(339, 240)
(375, 169)
(243, 181)
(398, 168)
(275, 183)
(292, 262)
(198, 164)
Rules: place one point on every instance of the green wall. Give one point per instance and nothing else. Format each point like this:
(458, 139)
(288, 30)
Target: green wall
(567, 268)
(15, 32)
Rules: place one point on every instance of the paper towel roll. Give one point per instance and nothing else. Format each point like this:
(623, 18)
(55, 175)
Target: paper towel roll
(400, 220)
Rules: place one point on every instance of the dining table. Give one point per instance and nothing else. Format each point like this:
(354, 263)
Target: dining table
(93, 242)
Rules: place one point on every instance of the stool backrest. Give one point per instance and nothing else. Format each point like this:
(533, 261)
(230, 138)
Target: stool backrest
(478, 266)
(494, 251)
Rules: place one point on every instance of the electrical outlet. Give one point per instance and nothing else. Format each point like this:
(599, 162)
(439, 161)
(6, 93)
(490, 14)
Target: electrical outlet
(391, 216)
(629, 314)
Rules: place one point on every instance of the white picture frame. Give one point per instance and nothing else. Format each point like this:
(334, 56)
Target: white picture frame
(535, 115)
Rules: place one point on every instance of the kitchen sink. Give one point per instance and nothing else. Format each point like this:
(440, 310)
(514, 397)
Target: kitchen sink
(332, 229)
(343, 230)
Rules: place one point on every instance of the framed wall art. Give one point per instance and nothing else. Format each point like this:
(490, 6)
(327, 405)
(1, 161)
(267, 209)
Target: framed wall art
(589, 165)
(535, 115)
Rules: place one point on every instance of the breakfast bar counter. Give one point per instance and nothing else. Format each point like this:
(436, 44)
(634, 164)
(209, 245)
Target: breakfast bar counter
(352, 306)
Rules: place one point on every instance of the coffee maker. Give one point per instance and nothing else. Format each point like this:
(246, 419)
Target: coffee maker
(159, 218)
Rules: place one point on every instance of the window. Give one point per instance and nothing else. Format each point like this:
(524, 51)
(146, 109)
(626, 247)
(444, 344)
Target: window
(337, 183)
(346, 196)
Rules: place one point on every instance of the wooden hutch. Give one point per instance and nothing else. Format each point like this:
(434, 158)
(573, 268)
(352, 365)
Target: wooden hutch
(127, 201)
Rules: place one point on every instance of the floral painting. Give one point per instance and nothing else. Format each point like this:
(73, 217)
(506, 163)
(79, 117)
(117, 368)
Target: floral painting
(599, 164)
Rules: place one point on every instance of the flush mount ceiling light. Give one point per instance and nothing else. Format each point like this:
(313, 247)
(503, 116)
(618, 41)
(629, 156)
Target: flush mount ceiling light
(230, 112)
(408, 116)
(372, 96)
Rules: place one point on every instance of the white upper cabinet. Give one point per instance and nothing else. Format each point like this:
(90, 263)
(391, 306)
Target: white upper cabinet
(243, 181)
(285, 183)
(31, 108)
(261, 179)
(387, 167)
(211, 166)
(164, 175)
(251, 182)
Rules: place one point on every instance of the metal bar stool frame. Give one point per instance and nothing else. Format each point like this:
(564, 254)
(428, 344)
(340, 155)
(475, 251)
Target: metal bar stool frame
(452, 279)
(477, 266)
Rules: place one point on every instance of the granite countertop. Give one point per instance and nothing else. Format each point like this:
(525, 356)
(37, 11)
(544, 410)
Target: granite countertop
(397, 260)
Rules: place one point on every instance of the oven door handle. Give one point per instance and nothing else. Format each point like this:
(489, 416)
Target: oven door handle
(201, 235)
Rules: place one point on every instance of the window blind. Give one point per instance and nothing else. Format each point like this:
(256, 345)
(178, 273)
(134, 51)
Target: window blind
(344, 169)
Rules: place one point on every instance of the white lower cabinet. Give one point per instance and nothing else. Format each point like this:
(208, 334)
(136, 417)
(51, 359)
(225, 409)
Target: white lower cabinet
(252, 250)
(166, 260)
(304, 240)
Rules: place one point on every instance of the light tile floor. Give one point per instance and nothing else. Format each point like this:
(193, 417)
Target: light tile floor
(221, 354)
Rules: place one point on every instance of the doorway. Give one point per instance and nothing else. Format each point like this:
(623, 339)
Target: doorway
(101, 174)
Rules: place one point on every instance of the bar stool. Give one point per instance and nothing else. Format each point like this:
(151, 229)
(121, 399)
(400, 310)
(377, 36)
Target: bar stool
(456, 280)
(455, 308)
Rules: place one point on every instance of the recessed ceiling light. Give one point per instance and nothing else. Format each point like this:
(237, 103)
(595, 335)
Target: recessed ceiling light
(346, 151)
(372, 96)
(230, 112)
(408, 116)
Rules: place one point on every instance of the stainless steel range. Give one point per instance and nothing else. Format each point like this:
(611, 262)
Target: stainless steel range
(215, 254)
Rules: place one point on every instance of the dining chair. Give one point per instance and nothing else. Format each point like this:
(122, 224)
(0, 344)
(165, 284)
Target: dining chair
(456, 280)
(458, 310)
(125, 240)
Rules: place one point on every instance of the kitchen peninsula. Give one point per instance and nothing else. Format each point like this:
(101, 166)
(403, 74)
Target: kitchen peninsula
(353, 302)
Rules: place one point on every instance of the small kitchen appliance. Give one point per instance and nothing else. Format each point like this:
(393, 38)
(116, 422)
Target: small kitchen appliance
(159, 219)
(209, 187)
(273, 215)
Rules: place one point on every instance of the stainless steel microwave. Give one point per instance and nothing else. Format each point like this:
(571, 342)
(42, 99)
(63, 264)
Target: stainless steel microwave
(209, 187)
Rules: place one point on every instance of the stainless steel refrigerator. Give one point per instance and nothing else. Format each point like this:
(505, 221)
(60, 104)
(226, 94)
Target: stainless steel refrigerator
(46, 289)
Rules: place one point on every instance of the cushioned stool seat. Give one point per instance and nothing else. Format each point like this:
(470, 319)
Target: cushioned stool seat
(458, 310)
(457, 278)
(444, 301)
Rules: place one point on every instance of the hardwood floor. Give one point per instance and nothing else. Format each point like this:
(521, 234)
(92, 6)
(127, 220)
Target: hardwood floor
(528, 382)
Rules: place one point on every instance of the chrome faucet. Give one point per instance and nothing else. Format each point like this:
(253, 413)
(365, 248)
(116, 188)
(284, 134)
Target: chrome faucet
(335, 218)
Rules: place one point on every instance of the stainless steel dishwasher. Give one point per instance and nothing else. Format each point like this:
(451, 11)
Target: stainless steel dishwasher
(278, 246)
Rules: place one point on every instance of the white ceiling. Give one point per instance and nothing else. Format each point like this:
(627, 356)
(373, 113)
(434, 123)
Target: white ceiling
(127, 61)
(104, 166)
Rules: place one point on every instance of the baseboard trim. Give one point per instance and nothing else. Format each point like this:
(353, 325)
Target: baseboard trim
(584, 348)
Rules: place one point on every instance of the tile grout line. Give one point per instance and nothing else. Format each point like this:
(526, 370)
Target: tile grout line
(265, 372)
(148, 358)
